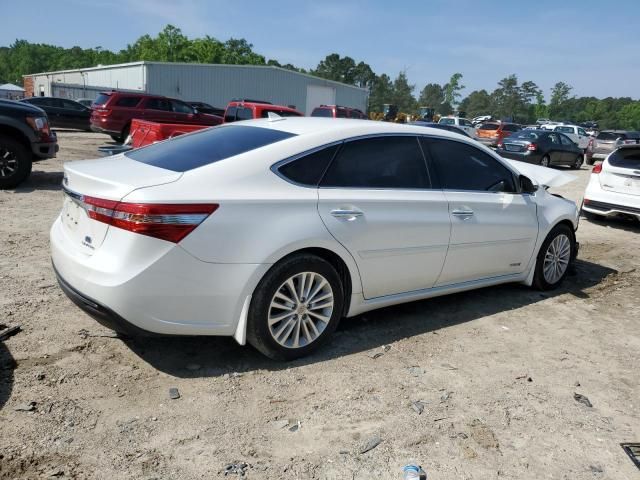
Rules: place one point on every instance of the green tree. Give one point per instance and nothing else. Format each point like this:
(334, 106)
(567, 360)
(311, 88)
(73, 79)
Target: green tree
(432, 95)
(559, 96)
(381, 93)
(479, 102)
(452, 90)
(403, 94)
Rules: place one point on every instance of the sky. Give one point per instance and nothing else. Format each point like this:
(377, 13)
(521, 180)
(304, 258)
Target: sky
(588, 44)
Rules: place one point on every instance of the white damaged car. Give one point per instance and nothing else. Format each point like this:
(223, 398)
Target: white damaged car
(273, 230)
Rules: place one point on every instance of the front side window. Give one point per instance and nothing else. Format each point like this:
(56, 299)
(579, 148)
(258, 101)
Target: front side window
(69, 105)
(553, 138)
(380, 162)
(463, 167)
(181, 107)
(308, 170)
(582, 132)
(159, 104)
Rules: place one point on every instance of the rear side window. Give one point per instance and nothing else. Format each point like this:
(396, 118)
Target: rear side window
(181, 107)
(341, 113)
(489, 126)
(464, 167)
(321, 112)
(208, 146)
(244, 113)
(626, 158)
(230, 114)
(101, 99)
(383, 162)
(308, 170)
(127, 101)
(159, 104)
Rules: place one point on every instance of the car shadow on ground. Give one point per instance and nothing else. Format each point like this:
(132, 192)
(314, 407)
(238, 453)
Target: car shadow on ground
(217, 356)
(7, 366)
(619, 222)
(41, 181)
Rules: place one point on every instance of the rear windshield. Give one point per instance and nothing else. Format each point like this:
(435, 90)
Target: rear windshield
(489, 126)
(626, 158)
(322, 112)
(525, 135)
(102, 99)
(610, 135)
(209, 146)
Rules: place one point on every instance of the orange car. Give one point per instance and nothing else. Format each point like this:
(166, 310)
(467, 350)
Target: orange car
(492, 133)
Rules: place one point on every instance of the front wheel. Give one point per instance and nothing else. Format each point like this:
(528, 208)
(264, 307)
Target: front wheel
(295, 307)
(546, 161)
(15, 162)
(577, 163)
(556, 254)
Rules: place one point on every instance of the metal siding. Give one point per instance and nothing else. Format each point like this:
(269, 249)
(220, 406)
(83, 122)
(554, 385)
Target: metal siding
(213, 84)
(218, 84)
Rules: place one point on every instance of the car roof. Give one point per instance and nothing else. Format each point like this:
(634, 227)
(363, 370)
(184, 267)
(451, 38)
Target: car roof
(350, 127)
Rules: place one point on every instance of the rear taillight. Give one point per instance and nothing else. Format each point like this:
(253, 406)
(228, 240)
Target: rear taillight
(170, 222)
(532, 147)
(40, 125)
(103, 112)
(597, 168)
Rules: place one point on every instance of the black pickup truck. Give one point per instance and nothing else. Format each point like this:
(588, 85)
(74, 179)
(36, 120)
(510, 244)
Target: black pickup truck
(25, 137)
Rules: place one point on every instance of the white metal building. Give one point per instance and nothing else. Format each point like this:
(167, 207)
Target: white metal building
(213, 84)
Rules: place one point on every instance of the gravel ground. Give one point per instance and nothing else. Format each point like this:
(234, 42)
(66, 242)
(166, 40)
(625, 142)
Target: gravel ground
(495, 372)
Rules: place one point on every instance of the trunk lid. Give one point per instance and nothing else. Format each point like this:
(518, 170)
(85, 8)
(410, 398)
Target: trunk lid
(621, 172)
(110, 178)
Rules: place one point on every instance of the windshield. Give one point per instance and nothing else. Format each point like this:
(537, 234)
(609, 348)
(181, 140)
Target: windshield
(609, 136)
(626, 158)
(102, 99)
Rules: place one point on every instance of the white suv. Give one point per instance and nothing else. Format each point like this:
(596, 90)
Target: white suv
(461, 123)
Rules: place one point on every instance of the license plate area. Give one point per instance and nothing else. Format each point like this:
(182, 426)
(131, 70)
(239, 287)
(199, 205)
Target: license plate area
(512, 148)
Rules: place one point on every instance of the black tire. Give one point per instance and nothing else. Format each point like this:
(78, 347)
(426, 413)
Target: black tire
(546, 159)
(258, 333)
(590, 161)
(117, 138)
(577, 164)
(125, 132)
(539, 280)
(15, 162)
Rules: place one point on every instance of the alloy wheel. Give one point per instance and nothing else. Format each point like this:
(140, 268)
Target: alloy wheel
(8, 162)
(556, 258)
(578, 162)
(300, 309)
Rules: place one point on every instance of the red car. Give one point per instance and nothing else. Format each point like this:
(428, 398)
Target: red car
(248, 109)
(145, 133)
(112, 112)
(337, 111)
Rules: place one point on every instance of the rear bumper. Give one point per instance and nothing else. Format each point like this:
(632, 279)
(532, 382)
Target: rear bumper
(108, 131)
(528, 157)
(46, 149)
(139, 284)
(606, 203)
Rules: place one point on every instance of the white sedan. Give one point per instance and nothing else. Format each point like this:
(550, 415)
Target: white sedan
(614, 186)
(273, 230)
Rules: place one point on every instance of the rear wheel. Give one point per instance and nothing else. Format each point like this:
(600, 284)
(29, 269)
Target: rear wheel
(15, 162)
(115, 138)
(555, 256)
(546, 161)
(589, 161)
(577, 162)
(295, 308)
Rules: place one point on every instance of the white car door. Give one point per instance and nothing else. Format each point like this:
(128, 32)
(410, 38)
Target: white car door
(583, 138)
(493, 227)
(376, 200)
(467, 126)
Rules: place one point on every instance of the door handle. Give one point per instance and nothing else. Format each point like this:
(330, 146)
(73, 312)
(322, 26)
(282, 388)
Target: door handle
(347, 214)
(462, 213)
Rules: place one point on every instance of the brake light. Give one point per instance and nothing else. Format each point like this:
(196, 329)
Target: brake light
(597, 168)
(103, 112)
(532, 147)
(40, 125)
(170, 222)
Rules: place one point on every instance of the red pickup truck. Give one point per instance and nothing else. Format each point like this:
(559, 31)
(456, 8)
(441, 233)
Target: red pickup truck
(113, 112)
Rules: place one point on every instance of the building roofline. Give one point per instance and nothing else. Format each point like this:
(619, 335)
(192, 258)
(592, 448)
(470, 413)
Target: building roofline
(144, 62)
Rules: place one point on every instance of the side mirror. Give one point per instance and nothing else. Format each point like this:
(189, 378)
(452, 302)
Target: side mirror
(526, 185)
